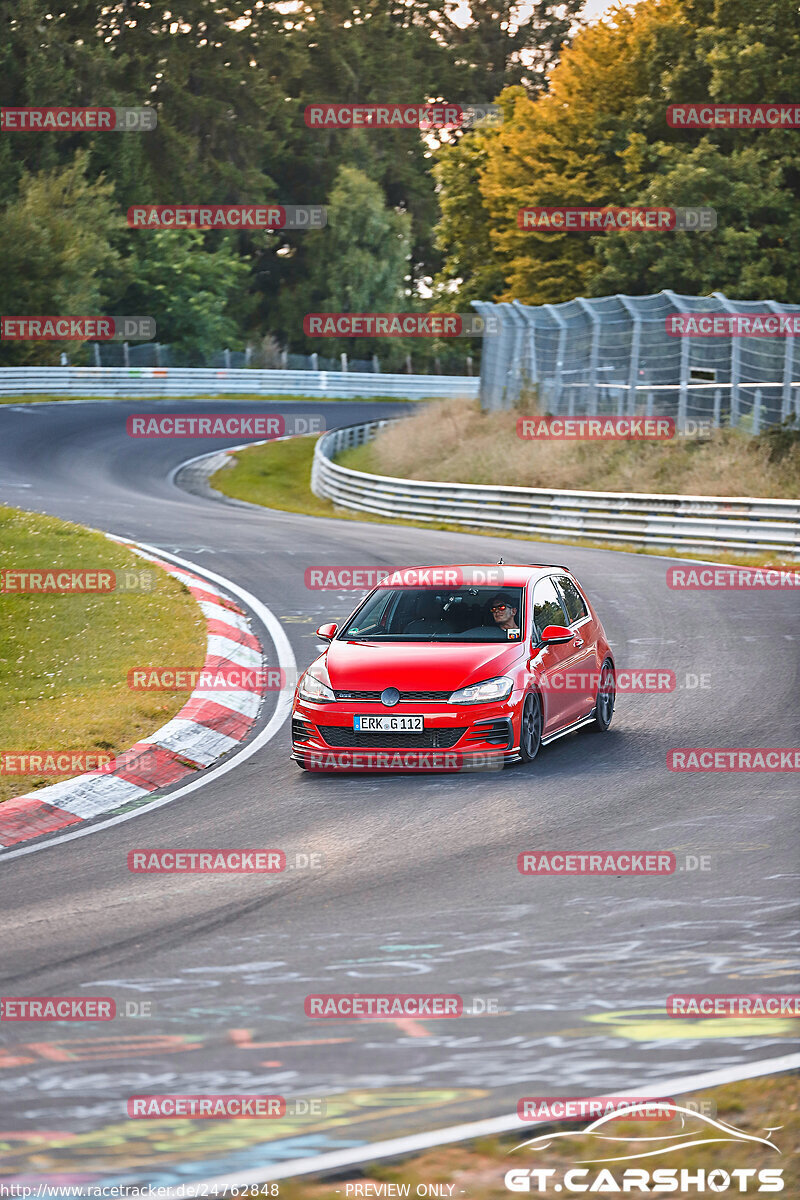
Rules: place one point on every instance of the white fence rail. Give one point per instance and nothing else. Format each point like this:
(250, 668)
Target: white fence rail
(707, 523)
(184, 382)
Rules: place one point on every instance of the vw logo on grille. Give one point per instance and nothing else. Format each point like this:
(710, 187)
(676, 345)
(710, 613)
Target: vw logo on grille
(389, 697)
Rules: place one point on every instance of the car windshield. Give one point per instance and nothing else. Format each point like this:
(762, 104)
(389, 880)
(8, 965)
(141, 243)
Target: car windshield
(470, 614)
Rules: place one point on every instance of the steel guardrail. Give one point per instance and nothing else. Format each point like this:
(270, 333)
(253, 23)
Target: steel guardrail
(177, 382)
(716, 523)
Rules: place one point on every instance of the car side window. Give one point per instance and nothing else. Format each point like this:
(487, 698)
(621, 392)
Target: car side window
(576, 608)
(547, 607)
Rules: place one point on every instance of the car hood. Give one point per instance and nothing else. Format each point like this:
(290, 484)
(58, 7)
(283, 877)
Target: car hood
(416, 666)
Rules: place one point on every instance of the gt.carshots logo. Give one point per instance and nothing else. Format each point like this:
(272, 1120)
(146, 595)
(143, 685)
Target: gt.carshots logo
(696, 1128)
(346, 578)
(199, 425)
(400, 325)
(602, 429)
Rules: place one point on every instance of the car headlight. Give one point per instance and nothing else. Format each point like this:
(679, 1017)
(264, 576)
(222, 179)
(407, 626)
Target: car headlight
(313, 686)
(479, 693)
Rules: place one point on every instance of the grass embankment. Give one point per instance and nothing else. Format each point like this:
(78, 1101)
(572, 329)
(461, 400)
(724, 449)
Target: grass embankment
(64, 659)
(277, 475)
(476, 1169)
(454, 441)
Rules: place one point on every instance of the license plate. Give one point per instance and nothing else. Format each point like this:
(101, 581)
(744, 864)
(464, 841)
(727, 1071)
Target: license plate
(367, 723)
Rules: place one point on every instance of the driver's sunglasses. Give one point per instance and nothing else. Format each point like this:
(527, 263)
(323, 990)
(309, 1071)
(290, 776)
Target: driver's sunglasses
(498, 607)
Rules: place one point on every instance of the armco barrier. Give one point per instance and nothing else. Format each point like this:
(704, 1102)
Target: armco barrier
(184, 382)
(707, 523)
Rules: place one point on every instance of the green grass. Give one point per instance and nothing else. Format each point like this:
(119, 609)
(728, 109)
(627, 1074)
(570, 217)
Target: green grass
(64, 659)
(277, 475)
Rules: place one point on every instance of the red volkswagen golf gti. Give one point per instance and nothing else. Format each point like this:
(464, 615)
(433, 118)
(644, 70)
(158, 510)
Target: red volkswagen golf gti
(468, 672)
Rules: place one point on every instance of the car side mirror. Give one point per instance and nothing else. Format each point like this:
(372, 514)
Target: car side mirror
(326, 632)
(556, 635)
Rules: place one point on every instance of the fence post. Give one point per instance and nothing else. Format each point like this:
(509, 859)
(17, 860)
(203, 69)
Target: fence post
(594, 353)
(717, 406)
(344, 362)
(469, 364)
(649, 406)
(248, 354)
(227, 358)
(560, 352)
(409, 367)
(97, 361)
(285, 359)
(376, 366)
(633, 362)
(158, 354)
(437, 365)
(126, 358)
(757, 412)
(736, 362)
(314, 362)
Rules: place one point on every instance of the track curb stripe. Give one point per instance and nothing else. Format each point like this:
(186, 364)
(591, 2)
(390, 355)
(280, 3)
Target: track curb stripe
(203, 730)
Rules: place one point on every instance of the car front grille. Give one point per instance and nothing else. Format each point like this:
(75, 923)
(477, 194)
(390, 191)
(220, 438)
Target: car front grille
(425, 739)
(405, 697)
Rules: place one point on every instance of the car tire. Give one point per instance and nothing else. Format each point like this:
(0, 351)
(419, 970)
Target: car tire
(530, 727)
(606, 696)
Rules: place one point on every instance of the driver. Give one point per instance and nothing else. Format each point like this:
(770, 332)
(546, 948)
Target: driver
(504, 613)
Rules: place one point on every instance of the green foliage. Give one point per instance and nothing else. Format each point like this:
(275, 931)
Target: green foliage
(55, 246)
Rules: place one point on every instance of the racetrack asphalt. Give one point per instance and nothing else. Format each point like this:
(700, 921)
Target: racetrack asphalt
(419, 891)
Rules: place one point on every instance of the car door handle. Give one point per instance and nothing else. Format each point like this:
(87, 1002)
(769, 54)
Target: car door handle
(578, 641)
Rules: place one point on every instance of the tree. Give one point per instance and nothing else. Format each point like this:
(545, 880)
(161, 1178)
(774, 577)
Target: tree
(198, 296)
(57, 253)
(359, 263)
